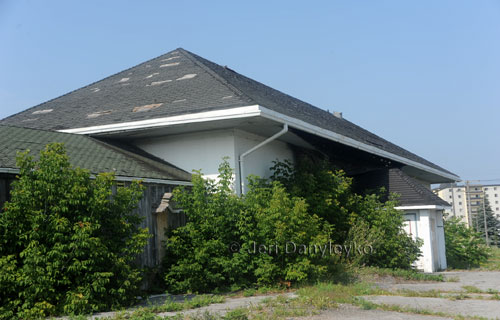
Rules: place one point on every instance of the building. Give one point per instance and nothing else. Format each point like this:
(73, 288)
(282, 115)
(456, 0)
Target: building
(190, 112)
(467, 199)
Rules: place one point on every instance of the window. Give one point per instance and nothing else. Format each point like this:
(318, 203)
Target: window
(450, 190)
(496, 202)
(460, 196)
(450, 197)
(485, 189)
(494, 188)
(497, 209)
(460, 203)
(477, 196)
(458, 189)
(477, 202)
(496, 195)
(475, 189)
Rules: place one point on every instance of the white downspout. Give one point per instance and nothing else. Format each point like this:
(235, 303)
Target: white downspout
(246, 153)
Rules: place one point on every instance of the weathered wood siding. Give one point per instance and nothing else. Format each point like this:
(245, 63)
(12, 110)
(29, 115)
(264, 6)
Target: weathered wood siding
(156, 223)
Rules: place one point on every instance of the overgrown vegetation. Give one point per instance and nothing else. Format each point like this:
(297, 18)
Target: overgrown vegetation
(465, 248)
(67, 243)
(297, 227)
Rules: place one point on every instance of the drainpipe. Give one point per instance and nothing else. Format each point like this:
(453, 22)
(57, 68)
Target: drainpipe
(246, 153)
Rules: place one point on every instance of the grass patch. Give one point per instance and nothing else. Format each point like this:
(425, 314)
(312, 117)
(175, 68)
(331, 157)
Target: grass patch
(493, 262)
(249, 292)
(472, 289)
(410, 274)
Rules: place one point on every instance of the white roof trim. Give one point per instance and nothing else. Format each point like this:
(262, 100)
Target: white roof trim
(422, 207)
(302, 125)
(252, 111)
(121, 178)
(240, 112)
(9, 170)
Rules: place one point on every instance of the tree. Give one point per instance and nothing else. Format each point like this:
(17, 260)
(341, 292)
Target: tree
(464, 246)
(67, 242)
(492, 224)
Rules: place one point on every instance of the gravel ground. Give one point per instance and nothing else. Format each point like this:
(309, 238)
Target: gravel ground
(480, 308)
(483, 280)
(466, 307)
(348, 312)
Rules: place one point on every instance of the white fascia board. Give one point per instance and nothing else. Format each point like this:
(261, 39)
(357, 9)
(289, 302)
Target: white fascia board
(302, 125)
(252, 111)
(157, 181)
(9, 170)
(233, 113)
(121, 178)
(422, 207)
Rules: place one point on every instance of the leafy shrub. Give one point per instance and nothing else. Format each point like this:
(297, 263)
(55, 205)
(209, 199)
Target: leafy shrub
(465, 248)
(67, 243)
(216, 248)
(279, 229)
(292, 236)
(197, 254)
(377, 224)
(364, 221)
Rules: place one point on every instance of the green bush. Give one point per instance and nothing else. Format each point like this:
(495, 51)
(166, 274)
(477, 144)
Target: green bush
(67, 243)
(363, 221)
(280, 231)
(215, 249)
(292, 236)
(465, 248)
(377, 224)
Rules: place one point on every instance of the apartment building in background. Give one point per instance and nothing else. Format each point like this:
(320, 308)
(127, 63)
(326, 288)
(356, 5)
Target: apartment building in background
(467, 199)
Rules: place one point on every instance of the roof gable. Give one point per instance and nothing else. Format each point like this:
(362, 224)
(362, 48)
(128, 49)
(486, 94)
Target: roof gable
(412, 192)
(88, 153)
(178, 83)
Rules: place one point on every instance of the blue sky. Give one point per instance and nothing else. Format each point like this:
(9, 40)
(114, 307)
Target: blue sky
(422, 74)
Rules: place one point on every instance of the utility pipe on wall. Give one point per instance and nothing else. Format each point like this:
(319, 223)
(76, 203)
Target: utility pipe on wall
(246, 153)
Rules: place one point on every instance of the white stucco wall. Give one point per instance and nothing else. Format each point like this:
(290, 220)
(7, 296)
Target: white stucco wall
(261, 160)
(193, 151)
(205, 150)
(428, 226)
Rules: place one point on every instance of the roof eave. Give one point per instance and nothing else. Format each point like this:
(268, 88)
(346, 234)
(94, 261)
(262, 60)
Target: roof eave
(257, 110)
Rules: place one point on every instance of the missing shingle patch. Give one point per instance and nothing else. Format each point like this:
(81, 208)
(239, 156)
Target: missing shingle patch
(171, 58)
(147, 107)
(124, 79)
(95, 90)
(170, 64)
(156, 83)
(42, 111)
(98, 114)
(152, 75)
(226, 97)
(177, 101)
(187, 76)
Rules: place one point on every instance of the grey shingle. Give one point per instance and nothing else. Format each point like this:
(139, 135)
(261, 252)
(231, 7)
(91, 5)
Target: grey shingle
(202, 86)
(411, 191)
(86, 152)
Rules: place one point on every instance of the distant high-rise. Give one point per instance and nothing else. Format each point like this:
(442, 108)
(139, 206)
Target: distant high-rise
(466, 200)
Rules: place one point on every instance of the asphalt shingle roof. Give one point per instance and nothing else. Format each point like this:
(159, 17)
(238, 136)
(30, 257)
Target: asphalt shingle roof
(411, 191)
(181, 82)
(86, 152)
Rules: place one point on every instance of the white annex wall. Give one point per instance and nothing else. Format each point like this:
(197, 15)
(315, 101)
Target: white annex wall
(261, 160)
(427, 224)
(194, 151)
(205, 150)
